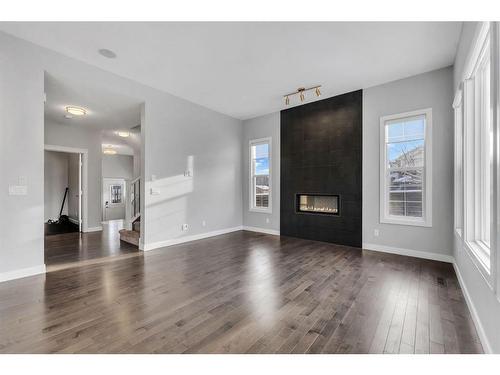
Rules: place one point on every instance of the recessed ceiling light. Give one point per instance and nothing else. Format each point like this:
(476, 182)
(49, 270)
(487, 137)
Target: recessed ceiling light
(107, 53)
(109, 151)
(77, 111)
(68, 116)
(123, 134)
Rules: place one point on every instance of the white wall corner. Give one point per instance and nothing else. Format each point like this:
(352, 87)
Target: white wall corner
(475, 317)
(409, 252)
(24, 272)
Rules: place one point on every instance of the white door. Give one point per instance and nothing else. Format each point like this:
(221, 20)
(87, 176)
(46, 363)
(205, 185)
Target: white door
(113, 199)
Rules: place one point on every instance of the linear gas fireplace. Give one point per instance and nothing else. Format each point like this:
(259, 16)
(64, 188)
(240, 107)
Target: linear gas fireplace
(326, 204)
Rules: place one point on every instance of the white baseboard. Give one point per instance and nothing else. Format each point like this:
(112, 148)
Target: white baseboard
(475, 317)
(409, 252)
(93, 229)
(74, 221)
(194, 237)
(262, 230)
(24, 272)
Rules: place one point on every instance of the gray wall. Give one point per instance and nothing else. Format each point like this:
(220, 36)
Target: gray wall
(118, 166)
(175, 132)
(180, 136)
(21, 155)
(90, 139)
(486, 303)
(429, 90)
(262, 127)
(137, 164)
(56, 180)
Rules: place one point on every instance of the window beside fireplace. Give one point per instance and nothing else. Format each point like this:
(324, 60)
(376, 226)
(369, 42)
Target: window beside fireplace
(318, 204)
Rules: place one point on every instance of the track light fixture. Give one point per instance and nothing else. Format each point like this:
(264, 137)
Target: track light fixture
(301, 92)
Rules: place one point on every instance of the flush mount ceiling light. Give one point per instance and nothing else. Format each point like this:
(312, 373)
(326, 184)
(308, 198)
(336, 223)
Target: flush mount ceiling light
(75, 111)
(107, 53)
(123, 134)
(301, 91)
(109, 151)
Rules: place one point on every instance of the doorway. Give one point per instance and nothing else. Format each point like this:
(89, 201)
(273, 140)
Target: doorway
(64, 190)
(113, 199)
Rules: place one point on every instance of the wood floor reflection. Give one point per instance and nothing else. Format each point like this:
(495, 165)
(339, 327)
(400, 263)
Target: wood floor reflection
(241, 293)
(63, 250)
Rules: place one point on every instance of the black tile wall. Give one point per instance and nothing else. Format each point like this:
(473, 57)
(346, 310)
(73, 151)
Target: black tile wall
(321, 152)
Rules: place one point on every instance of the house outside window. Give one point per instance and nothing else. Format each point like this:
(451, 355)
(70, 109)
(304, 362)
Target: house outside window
(406, 168)
(260, 175)
(115, 194)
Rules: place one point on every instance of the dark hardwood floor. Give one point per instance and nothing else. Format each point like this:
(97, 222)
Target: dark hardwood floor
(63, 250)
(241, 293)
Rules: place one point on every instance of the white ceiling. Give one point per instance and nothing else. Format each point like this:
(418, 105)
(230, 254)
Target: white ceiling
(107, 112)
(122, 146)
(243, 69)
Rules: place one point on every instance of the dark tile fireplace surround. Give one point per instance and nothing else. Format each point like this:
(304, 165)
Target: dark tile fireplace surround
(321, 166)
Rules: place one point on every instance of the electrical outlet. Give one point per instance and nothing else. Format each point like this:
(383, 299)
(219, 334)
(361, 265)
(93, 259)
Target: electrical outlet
(267, 220)
(204, 223)
(376, 232)
(185, 227)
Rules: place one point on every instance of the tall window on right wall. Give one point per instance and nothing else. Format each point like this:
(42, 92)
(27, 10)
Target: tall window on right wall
(478, 158)
(406, 168)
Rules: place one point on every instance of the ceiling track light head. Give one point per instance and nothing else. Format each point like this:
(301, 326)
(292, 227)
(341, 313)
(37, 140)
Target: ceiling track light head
(301, 92)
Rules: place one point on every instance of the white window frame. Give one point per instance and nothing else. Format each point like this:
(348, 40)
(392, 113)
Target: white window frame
(385, 217)
(252, 207)
(474, 206)
(459, 164)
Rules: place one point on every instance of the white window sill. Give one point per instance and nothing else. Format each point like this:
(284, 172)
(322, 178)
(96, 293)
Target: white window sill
(478, 254)
(261, 210)
(406, 221)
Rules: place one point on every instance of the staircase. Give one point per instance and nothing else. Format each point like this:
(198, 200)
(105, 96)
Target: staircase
(132, 236)
(132, 231)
